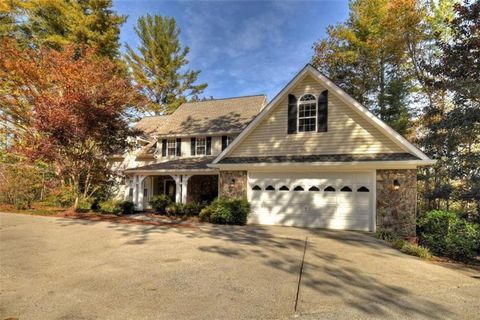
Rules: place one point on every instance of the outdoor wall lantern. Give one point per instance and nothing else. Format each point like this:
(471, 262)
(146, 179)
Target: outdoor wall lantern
(396, 185)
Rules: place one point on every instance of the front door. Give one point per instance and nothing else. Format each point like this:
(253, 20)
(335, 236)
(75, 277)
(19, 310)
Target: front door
(170, 189)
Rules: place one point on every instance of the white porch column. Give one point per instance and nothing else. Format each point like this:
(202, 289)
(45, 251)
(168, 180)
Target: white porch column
(138, 191)
(178, 187)
(185, 187)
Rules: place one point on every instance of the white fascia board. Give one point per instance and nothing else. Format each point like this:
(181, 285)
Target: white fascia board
(405, 164)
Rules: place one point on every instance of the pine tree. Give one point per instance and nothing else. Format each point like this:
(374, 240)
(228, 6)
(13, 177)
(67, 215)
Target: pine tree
(58, 23)
(156, 65)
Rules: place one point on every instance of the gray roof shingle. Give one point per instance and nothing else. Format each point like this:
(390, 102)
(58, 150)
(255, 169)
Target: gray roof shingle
(322, 158)
(195, 163)
(205, 117)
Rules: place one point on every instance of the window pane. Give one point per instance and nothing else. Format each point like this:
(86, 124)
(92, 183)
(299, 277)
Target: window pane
(171, 147)
(201, 145)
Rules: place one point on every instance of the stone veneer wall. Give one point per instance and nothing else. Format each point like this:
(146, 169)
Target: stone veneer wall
(232, 184)
(396, 209)
(202, 188)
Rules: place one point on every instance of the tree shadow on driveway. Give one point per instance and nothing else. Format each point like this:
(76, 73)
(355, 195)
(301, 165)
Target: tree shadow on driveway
(327, 275)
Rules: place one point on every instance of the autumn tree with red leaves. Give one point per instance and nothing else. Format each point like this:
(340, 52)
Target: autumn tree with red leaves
(66, 107)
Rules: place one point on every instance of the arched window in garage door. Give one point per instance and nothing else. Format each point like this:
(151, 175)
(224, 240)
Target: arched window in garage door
(313, 188)
(270, 188)
(346, 189)
(284, 188)
(363, 189)
(298, 188)
(329, 189)
(256, 188)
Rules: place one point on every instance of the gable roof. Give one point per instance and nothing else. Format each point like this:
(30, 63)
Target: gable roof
(205, 117)
(343, 96)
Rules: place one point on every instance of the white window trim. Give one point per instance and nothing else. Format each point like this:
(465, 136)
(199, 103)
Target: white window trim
(204, 147)
(168, 148)
(298, 112)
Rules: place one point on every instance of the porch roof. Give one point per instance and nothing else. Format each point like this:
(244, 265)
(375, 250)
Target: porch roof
(194, 163)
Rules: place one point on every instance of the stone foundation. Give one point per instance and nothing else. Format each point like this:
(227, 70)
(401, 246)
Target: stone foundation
(232, 184)
(396, 209)
(202, 188)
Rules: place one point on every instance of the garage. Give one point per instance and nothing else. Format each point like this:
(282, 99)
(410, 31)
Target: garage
(333, 200)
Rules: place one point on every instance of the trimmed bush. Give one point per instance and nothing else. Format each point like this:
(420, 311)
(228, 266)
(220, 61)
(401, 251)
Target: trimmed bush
(205, 214)
(415, 250)
(110, 207)
(127, 207)
(385, 234)
(160, 202)
(446, 234)
(226, 211)
(172, 209)
(84, 205)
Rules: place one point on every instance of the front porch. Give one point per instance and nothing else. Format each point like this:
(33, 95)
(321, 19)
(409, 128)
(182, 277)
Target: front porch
(191, 187)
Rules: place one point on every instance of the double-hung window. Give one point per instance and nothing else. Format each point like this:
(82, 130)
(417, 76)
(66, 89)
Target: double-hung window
(307, 113)
(171, 147)
(201, 146)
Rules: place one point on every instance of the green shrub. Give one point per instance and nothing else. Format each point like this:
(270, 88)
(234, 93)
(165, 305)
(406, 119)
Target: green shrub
(83, 205)
(385, 234)
(160, 202)
(110, 207)
(398, 243)
(444, 233)
(205, 214)
(127, 207)
(434, 226)
(463, 240)
(172, 209)
(227, 211)
(415, 250)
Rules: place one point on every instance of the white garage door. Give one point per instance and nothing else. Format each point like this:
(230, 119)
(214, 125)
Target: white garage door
(317, 200)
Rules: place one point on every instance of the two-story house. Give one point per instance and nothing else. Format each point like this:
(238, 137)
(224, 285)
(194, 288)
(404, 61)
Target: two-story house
(312, 157)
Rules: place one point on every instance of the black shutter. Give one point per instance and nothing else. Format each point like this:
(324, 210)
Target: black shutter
(209, 145)
(292, 114)
(322, 125)
(164, 147)
(179, 147)
(224, 142)
(193, 145)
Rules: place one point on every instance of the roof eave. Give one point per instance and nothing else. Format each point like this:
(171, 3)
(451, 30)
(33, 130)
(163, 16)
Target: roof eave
(332, 164)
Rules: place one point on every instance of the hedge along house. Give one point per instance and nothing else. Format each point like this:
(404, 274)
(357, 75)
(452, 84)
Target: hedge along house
(311, 157)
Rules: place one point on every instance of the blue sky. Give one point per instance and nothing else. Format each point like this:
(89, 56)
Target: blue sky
(242, 47)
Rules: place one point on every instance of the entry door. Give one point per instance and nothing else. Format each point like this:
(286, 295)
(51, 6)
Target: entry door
(170, 189)
(335, 200)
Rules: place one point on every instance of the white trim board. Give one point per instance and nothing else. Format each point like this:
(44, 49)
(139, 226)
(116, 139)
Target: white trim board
(342, 95)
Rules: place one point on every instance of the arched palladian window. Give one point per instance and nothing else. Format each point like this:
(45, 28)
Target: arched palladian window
(307, 113)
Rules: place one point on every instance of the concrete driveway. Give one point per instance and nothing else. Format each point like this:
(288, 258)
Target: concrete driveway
(56, 268)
